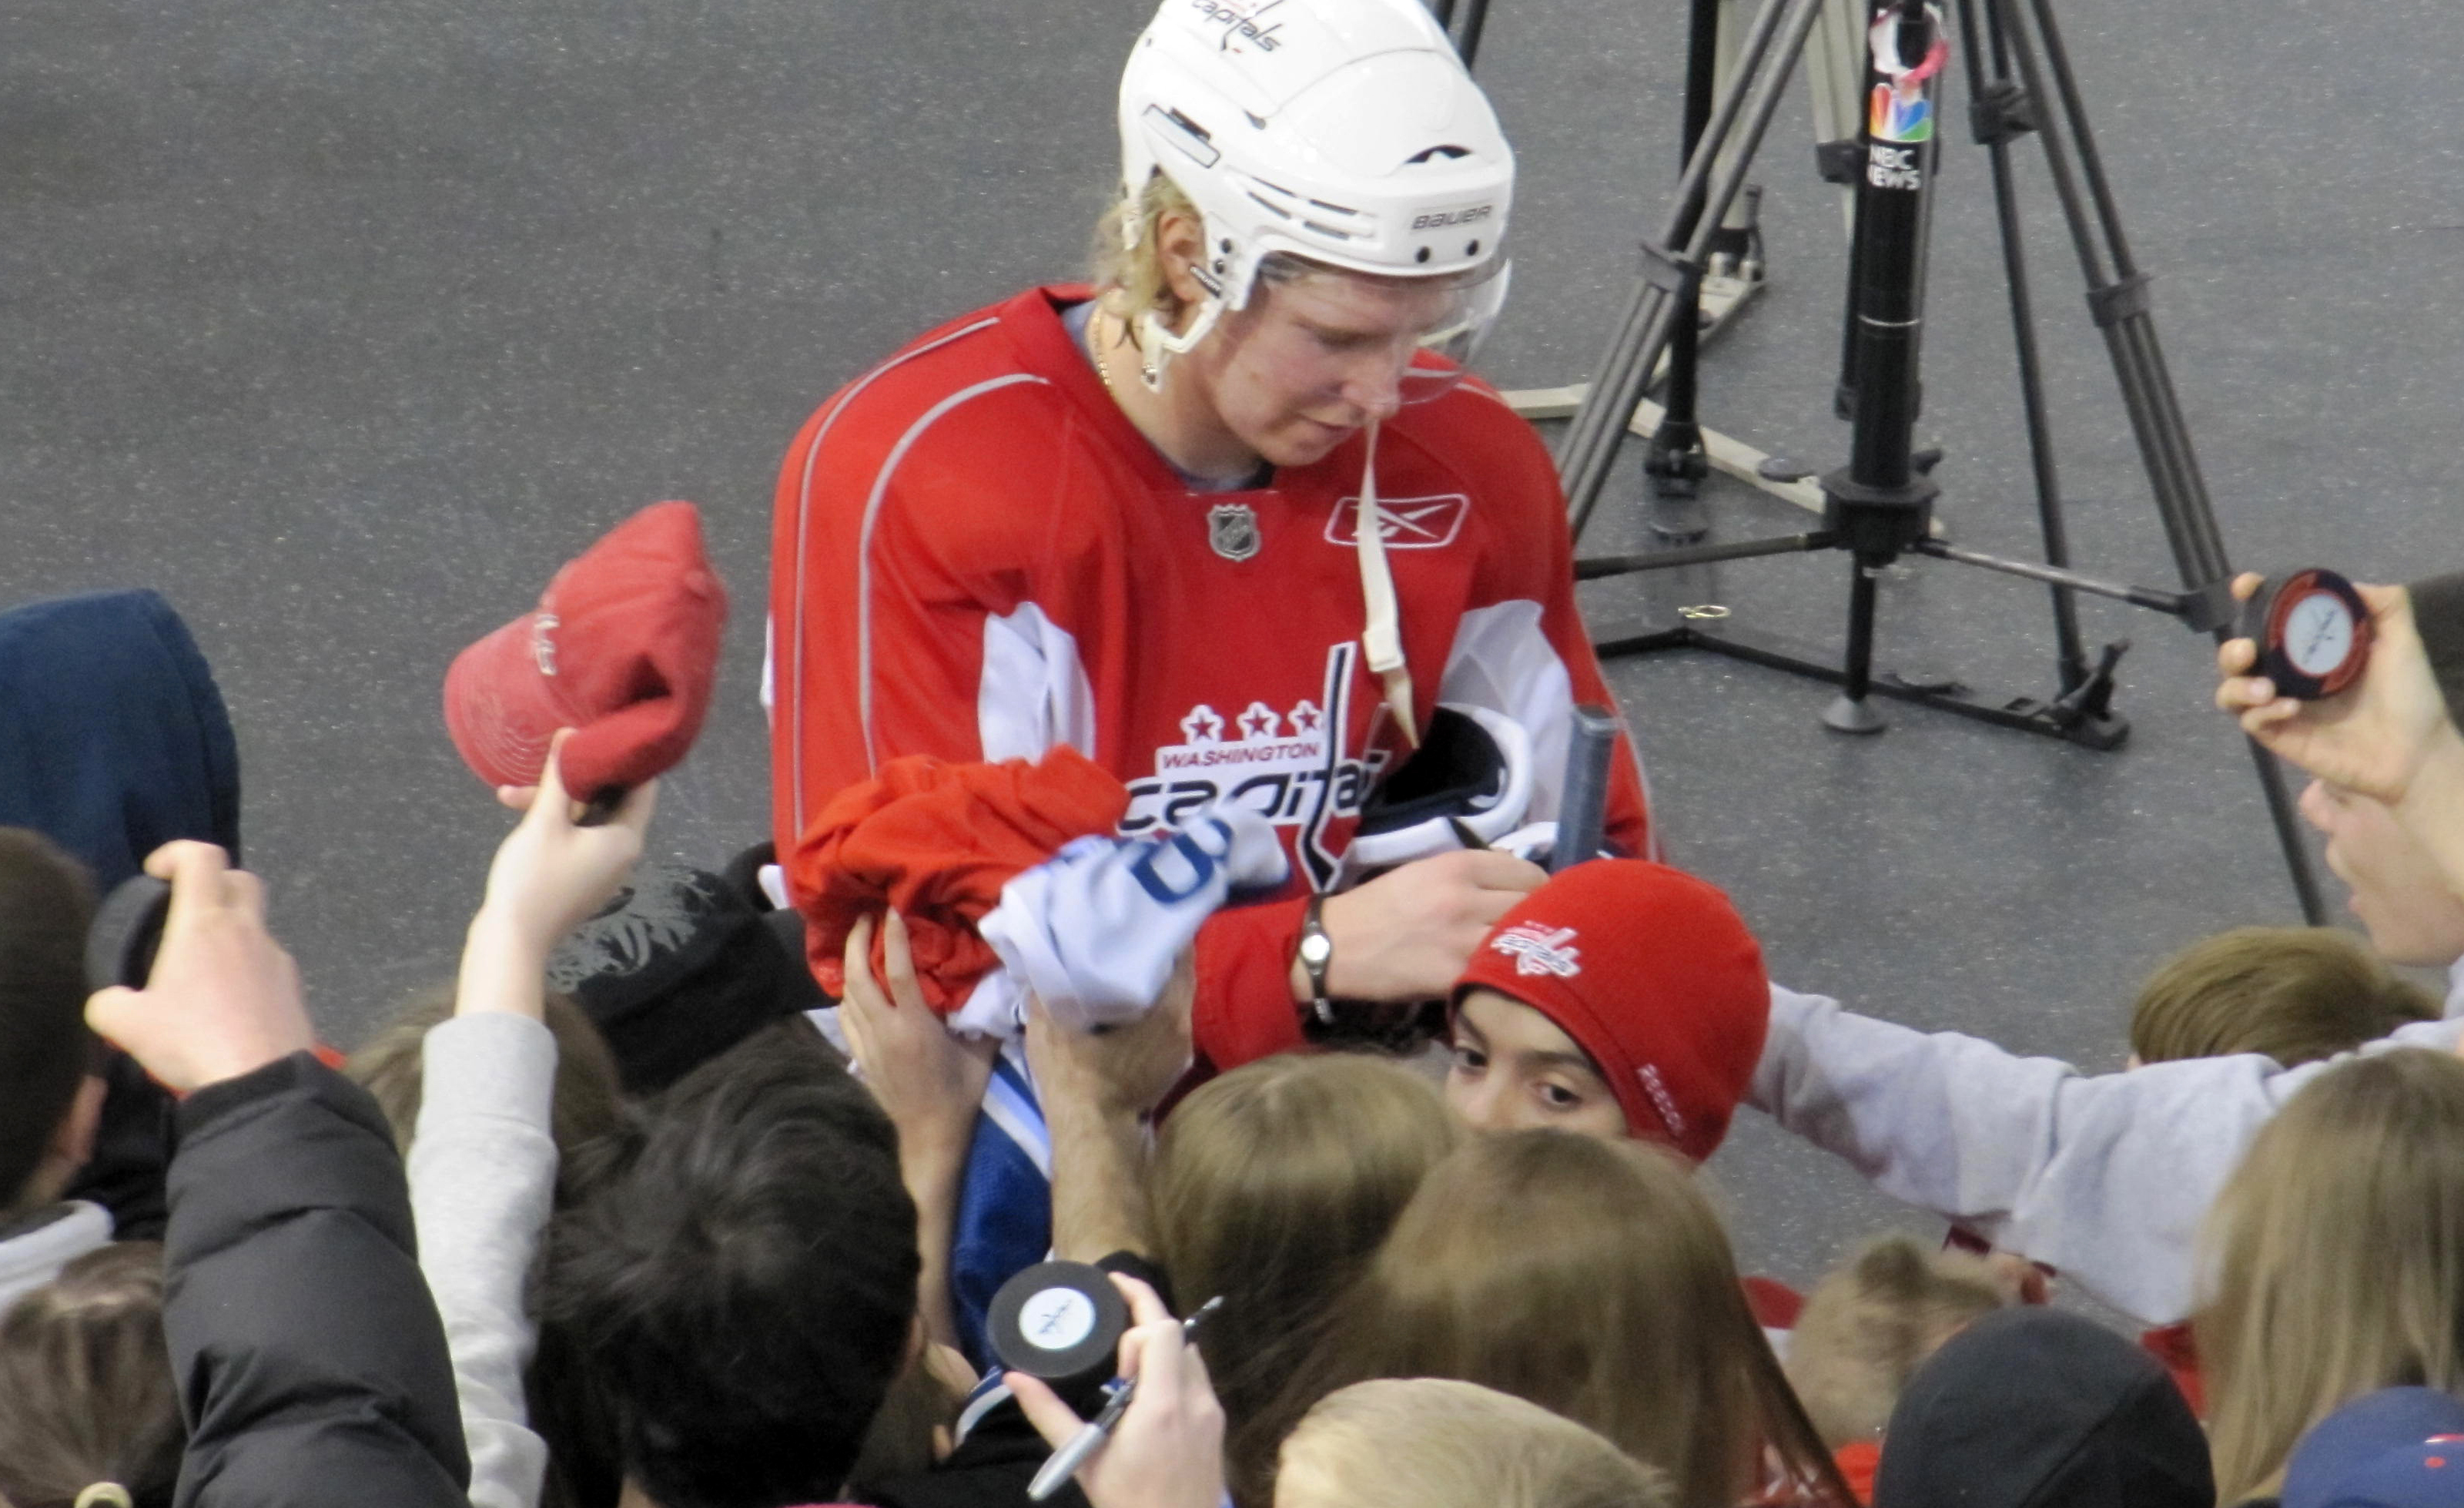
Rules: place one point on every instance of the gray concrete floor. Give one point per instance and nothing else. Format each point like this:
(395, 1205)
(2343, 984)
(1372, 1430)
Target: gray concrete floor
(343, 326)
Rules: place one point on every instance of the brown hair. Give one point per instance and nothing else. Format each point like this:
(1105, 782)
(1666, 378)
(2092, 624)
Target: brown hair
(1436, 1442)
(1272, 1186)
(86, 1392)
(46, 903)
(1872, 1321)
(2297, 994)
(907, 1437)
(1592, 1278)
(587, 1101)
(2335, 1256)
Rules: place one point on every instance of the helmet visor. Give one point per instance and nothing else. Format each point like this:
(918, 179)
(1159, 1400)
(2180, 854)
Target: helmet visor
(1428, 328)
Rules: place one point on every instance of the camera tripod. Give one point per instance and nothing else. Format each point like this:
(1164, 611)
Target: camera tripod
(1880, 507)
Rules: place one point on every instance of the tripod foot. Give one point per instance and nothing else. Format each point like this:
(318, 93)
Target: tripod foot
(1852, 714)
(1679, 520)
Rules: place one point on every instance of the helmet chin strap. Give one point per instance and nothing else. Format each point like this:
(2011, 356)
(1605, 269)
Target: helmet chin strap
(1382, 640)
(1157, 345)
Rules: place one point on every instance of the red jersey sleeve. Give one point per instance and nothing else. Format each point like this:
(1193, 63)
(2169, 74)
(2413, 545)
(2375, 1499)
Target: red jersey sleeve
(906, 523)
(1522, 648)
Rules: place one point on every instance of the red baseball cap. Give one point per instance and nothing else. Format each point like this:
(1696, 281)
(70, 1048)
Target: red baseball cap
(1653, 973)
(623, 649)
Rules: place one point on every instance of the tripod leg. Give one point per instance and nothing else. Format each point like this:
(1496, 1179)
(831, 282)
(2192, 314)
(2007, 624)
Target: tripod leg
(1851, 712)
(2120, 304)
(1674, 465)
(2000, 113)
(1475, 16)
(1615, 390)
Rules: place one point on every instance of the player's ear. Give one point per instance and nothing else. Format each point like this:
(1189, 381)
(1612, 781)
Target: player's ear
(1180, 246)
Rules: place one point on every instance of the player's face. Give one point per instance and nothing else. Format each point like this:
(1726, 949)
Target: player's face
(1515, 1070)
(2398, 892)
(1309, 363)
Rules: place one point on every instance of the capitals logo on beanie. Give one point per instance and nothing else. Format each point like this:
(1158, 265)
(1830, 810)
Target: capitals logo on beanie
(1653, 973)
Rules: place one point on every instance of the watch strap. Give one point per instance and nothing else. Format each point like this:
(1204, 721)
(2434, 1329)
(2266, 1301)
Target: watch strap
(1315, 959)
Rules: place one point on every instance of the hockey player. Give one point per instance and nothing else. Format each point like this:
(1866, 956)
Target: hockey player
(1231, 522)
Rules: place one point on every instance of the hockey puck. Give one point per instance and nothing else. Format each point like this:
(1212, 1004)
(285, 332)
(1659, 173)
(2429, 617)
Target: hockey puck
(2311, 631)
(1060, 1321)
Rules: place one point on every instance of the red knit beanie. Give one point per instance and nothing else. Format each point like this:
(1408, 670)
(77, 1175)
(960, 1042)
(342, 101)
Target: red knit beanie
(1653, 973)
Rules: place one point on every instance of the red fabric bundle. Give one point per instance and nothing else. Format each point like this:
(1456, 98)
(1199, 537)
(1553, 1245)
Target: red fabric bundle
(937, 841)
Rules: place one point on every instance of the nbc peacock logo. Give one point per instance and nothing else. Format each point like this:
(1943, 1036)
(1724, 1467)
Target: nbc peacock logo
(1900, 111)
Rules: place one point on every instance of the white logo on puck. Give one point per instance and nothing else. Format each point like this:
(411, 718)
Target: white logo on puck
(1056, 1319)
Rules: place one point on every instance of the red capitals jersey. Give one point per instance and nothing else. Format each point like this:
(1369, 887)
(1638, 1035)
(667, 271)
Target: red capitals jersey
(978, 557)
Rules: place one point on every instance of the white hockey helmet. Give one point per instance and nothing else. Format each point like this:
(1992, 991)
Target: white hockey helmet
(1346, 133)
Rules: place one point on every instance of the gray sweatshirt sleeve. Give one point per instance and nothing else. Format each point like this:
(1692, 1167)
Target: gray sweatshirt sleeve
(482, 1170)
(2103, 1177)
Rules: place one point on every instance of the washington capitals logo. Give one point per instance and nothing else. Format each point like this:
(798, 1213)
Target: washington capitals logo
(1240, 22)
(1538, 949)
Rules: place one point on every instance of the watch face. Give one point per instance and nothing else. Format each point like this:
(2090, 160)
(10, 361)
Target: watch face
(2318, 633)
(1316, 948)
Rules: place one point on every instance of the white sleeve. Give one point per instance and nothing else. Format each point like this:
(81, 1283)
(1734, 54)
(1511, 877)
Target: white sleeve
(2102, 1176)
(483, 1171)
(1501, 658)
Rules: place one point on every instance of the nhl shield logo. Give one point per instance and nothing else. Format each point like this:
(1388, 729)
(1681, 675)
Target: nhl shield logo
(1232, 528)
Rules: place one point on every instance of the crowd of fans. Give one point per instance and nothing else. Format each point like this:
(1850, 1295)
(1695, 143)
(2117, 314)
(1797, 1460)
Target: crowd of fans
(700, 1189)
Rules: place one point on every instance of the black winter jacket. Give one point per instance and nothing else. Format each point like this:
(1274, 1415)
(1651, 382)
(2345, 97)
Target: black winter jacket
(311, 1362)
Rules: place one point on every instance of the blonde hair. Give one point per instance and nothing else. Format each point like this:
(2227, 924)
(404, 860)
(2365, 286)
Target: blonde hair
(1130, 276)
(1872, 1321)
(2335, 1256)
(1591, 1278)
(86, 1390)
(1436, 1442)
(2297, 994)
(1272, 1188)
(587, 1099)
(1128, 268)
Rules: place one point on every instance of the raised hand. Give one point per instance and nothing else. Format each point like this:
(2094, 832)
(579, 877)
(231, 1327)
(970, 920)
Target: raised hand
(1124, 1070)
(1407, 933)
(1168, 1448)
(928, 1081)
(223, 999)
(929, 1084)
(551, 874)
(2372, 738)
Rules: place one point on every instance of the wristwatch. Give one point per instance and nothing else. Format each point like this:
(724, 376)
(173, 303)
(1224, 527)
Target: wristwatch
(1316, 955)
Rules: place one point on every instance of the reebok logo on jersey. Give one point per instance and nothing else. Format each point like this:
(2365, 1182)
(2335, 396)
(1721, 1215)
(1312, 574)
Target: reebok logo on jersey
(1403, 524)
(1538, 949)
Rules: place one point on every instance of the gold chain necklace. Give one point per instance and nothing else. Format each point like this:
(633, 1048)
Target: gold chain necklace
(1095, 348)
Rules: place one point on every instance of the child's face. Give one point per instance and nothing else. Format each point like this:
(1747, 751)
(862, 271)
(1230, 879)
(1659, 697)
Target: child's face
(1515, 1070)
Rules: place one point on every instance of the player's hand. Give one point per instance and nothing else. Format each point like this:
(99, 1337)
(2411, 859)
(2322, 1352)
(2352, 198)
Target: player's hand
(1407, 933)
(1123, 1072)
(929, 1082)
(223, 999)
(2371, 738)
(550, 875)
(1168, 1450)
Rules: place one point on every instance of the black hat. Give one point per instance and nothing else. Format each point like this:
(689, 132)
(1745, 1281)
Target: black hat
(2033, 1408)
(679, 967)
